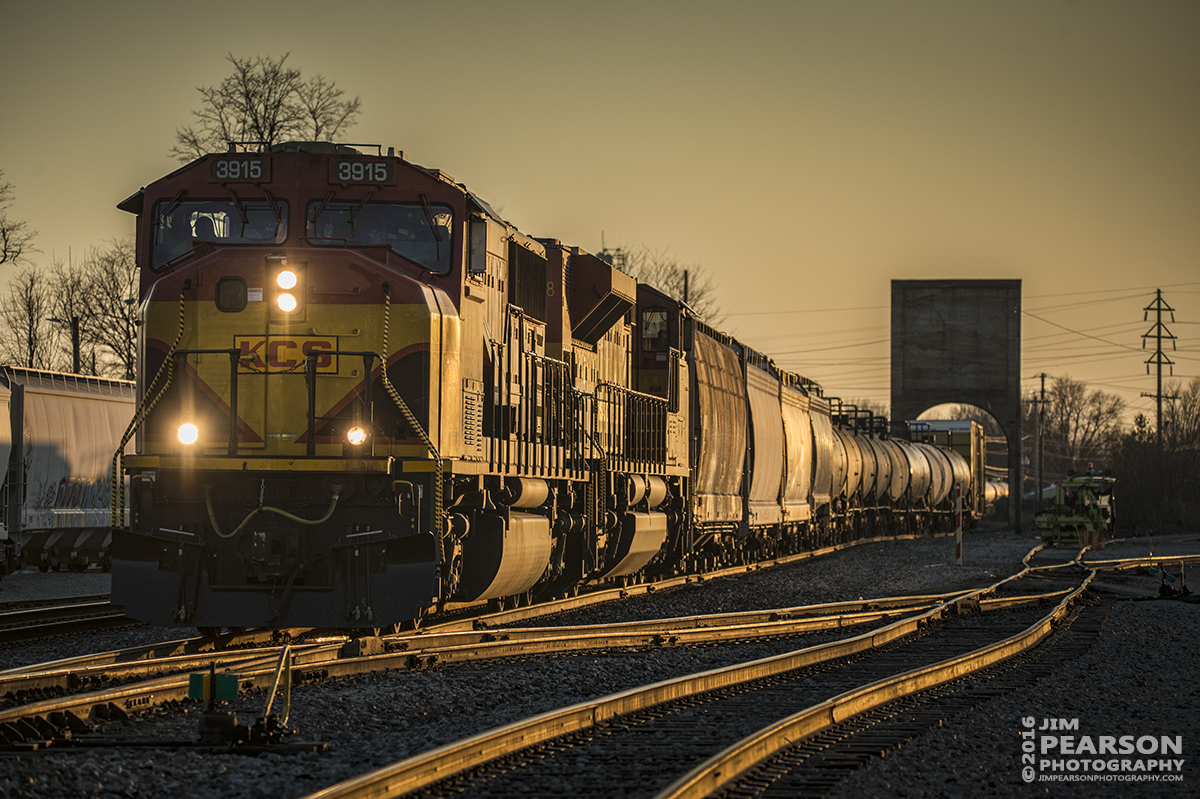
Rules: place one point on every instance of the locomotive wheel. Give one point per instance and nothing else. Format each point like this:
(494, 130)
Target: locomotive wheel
(209, 632)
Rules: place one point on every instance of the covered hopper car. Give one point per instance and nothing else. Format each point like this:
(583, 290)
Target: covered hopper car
(57, 438)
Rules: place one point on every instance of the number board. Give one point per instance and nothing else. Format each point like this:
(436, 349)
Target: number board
(361, 172)
(256, 170)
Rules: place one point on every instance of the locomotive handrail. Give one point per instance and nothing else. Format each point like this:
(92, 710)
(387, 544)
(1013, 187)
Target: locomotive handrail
(234, 360)
(310, 377)
(413, 423)
(140, 413)
(636, 439)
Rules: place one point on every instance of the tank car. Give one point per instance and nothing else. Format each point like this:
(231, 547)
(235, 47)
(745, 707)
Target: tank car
(365, 395)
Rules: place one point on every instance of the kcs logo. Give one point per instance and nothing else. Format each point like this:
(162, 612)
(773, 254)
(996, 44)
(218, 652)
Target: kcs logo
(284, 353)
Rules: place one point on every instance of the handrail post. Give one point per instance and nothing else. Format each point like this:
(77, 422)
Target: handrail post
(234, 360)
(368, 367)
(310, 376)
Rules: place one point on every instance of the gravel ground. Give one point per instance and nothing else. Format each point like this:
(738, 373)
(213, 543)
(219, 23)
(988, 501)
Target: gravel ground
(371, 721)
(1139, 678)
(33, 584)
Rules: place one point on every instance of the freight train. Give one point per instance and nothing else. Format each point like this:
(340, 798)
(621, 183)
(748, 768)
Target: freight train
(365, 395)
(57, 436)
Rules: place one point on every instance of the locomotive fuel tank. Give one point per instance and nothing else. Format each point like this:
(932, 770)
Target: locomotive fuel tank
(504, 556)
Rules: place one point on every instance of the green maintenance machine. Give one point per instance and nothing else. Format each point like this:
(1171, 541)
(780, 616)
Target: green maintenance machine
(1083, 510)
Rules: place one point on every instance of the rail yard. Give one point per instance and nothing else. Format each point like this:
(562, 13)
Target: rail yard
(462, 511)
(355, 707)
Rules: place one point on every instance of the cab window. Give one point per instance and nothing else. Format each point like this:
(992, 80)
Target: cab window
(419, 232)
(655, 330)
(179, 226)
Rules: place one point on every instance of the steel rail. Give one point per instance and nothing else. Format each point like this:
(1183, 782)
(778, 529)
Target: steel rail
(69, 673)
(327, 660)
(1120, 564)
(437, 764)
(727, 766)
(22, 604)
(151, 651)
(74, 678)
(417, 651)
(44, 620)
(496, 618)
(426, 648)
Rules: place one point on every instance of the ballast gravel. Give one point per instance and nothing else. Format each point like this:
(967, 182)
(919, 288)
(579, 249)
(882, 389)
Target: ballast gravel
(372, 721)
(1141, 678)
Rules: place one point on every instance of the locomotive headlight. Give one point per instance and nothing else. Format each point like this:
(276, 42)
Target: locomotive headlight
(286, 279)
(286, 302)
(188, 433)
(356, 436)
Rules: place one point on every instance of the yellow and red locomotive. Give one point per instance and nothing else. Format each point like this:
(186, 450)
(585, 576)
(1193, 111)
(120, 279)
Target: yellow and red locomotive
(363, 394)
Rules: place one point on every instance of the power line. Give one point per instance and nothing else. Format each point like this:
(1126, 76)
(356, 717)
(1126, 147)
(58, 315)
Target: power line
(809, 310)
(1085, 335)
(1112, 291)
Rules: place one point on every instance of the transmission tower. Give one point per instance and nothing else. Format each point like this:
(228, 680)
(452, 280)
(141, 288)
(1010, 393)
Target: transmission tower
(1159, 359)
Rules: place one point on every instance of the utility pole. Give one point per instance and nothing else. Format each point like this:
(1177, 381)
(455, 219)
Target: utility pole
(1159, 358)
(75, 356)
(76, 366)
(1038, 404)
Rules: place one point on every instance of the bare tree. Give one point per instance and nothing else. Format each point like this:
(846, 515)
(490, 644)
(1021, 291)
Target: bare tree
(1160, 486)
(991, 428)
(27, 338)
(685, 282)
(1181, 418)
(110, 308)
(880, 409)
(16, 238)
(1078, 426)
(266, 102)
(324, 111)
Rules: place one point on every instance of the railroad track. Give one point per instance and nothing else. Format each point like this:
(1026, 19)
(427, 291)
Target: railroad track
(813, 767)
(642, 734)
(42, 696)
(144, 672)
(41, 618)
(147, 677)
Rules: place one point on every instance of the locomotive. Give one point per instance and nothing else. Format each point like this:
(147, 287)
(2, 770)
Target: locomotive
(364, 395)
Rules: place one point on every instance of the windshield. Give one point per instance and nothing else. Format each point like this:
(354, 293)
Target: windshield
(418, 231)
(178, 226)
